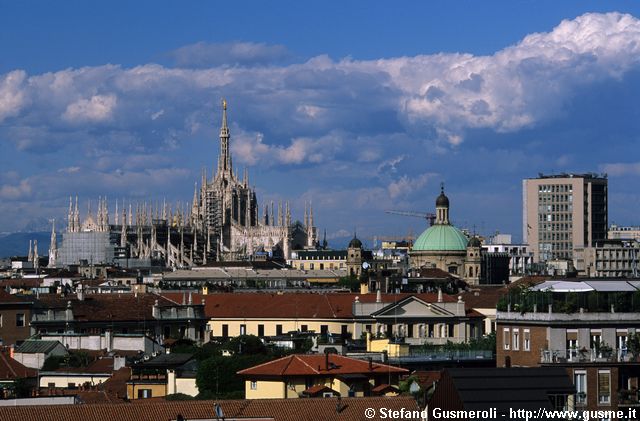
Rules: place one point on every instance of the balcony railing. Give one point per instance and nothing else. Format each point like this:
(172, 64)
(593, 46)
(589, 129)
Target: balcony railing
(562, 356)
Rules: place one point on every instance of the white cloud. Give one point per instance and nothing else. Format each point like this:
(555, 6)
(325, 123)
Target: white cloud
(250, 149)
(621, 169)
(15, 191)
(96, 109)
(12, 95)
(405, 185)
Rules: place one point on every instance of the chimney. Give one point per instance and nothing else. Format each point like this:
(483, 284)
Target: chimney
(69, 312)
(370, 364)
(80, 292)
(155, 310)
(439, 295)
(378, 296)
(460, 306)
(326, 360)
(108, 338)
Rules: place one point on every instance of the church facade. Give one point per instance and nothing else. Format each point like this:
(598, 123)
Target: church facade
(223, 222)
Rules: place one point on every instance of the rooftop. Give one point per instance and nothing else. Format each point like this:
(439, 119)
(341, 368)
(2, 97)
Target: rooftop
(331, 409)
(318, 365)
(293, 304)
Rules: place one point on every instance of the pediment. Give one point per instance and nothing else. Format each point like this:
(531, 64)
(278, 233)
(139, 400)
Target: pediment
(413, 307)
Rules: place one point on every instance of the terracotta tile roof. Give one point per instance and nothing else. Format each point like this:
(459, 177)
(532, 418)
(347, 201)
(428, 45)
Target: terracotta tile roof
(316, 365)
(311, 409)
(530, 280)
(384, 388)
(291, 305)
(426, 379)
(483, 297)
(107, 307)
(318, 390)
(100, 365)
(6, 298)
(11, 369)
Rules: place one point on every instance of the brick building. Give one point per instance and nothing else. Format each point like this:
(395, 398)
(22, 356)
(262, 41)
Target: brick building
(15, 313)
(587, 327)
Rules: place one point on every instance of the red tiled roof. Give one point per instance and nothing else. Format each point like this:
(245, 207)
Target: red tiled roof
(311, 409)
(483, 297)
(316, 365)
(11, 369)
(292, 305)
(318, 389)
(5, 297)
(107, 307)
(426, 379)
(384, 388)
(100, 365)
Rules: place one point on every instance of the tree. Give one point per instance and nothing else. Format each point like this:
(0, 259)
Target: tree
(246, 344)
(633, 345)
(217, 376)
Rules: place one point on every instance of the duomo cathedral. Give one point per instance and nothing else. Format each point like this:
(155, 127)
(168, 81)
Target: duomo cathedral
(223, 222)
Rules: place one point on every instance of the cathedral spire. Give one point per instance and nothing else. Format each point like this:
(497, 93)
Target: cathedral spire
(70, 216)
(225, 156)
(288, 215)
(53, 246)
(76, 217)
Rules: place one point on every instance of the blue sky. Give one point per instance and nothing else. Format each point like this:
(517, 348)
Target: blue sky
(359, 107)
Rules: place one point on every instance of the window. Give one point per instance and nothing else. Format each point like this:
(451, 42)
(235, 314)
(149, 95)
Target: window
(260, 331)
(278, 330)
(254, 385)
(20, 319)
(243, 329)
(71, 385)
(580, 381)
(51, 385)
(604, 387)
(304, 328)
(144, 393)
(506, 334)
(225, 331)
(526, 344)
(516, 339)
(324, 329)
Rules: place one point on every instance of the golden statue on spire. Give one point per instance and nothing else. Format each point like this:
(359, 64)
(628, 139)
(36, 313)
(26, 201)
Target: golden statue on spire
(224, 104)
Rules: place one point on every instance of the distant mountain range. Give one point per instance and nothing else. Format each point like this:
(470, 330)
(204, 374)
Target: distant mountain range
(17, 243)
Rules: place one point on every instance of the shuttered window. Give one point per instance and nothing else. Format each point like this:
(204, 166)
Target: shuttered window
(604, 387)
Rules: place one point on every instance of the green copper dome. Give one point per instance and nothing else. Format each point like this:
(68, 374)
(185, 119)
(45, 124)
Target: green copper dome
(441, 238)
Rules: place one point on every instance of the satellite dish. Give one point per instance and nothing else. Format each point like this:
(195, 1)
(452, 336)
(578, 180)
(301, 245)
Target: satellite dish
(365, 265)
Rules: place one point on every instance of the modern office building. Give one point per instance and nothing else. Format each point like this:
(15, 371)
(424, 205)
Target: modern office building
(561, 212)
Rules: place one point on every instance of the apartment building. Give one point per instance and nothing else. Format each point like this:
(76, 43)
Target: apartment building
(588, 327)
(561, 212)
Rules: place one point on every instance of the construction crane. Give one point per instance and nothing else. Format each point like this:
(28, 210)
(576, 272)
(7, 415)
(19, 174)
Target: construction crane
(431, 217)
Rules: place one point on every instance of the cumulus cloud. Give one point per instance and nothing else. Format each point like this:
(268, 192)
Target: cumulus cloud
(95, 109)
(622, 169)
(405, 185)
(356, 114)
(250, 149)
(12, 95)
(203, 54)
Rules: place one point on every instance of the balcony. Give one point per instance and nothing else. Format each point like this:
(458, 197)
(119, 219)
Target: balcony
(583, 356)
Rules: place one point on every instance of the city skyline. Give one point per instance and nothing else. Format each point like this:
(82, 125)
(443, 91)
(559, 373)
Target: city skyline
(363, 121)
